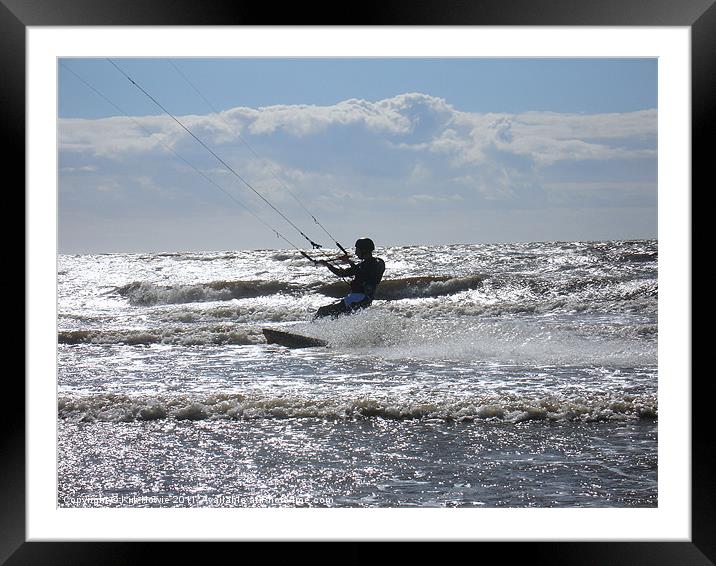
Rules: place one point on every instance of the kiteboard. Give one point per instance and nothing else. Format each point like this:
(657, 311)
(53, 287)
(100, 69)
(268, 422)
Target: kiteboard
(291, 340)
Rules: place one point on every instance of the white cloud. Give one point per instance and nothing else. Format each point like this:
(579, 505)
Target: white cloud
(303, 120)
(81, 169)
(108, 186)
(419, 174)
(396, 116)
(116, 137)
(543, 137)
(412, 147)
(435, 198)
(548, 137)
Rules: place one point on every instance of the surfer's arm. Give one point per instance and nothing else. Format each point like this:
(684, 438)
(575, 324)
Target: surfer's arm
(337, 270)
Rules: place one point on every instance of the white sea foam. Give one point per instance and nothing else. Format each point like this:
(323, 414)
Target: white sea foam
(509, 408)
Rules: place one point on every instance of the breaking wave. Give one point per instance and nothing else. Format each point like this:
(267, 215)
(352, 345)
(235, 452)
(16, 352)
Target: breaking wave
(508, 409)
(412, 287)
(144, 293)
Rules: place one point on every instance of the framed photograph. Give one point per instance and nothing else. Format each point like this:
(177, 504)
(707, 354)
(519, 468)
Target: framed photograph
(419, 278)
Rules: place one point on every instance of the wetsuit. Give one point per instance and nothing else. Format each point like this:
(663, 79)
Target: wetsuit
(366, 276)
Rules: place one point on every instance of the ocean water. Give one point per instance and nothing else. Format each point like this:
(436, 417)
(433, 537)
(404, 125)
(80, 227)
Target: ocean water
(501, 375)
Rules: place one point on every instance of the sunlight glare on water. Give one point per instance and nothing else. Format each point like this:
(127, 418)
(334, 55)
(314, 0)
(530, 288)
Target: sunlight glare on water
(482, 375)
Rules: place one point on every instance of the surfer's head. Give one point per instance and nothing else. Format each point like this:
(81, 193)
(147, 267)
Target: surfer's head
(364, 247)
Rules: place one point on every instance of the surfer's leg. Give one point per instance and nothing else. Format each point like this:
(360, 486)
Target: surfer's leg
(360, 305)
(334, 310)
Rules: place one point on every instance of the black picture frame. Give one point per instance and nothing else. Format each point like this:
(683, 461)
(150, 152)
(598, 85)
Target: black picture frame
(699, 15)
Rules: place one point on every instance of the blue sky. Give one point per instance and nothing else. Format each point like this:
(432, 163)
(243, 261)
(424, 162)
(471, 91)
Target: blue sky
(408, 151)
